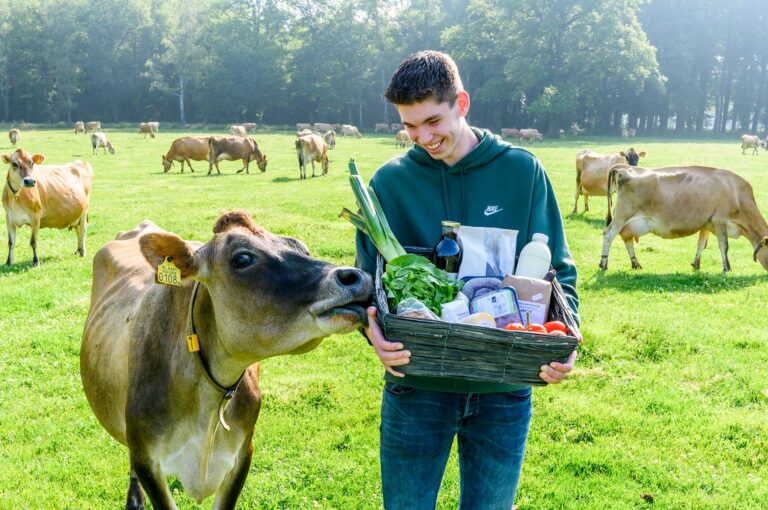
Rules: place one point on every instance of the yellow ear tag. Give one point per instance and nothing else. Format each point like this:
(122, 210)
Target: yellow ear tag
(167, 273)
(193, 344)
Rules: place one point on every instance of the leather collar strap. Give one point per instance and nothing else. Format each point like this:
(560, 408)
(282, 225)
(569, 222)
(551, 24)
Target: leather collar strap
(228, 392)
(8, 178)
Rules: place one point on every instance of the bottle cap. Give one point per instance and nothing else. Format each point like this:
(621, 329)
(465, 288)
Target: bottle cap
(450, 224)
(542, 238)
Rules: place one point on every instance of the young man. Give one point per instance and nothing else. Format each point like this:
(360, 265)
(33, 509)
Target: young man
(455, 172)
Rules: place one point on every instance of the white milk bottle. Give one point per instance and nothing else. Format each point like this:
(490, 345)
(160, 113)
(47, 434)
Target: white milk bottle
(535, 258)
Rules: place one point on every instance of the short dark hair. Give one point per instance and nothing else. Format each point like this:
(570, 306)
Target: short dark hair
(425, 75)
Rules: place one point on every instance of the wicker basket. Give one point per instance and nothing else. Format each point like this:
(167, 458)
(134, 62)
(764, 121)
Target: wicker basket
(445, 349)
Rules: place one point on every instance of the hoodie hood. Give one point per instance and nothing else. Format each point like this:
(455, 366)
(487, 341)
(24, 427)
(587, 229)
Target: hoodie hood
(486, 151)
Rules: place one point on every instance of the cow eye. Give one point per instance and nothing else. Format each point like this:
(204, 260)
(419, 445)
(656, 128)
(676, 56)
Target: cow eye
(15, 165)
(242, 260)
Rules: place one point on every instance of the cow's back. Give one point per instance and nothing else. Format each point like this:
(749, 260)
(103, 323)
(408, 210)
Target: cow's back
(63, 192)
(192, 147)
(593, 169)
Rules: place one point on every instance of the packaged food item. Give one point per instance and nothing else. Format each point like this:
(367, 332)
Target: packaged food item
(412, 307)
(533, 296)
(502, 305)
(455, 310)
(487, 251)
(535, 258)
(479, 319)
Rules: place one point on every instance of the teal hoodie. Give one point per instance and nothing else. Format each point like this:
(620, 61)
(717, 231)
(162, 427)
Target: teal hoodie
(495, 185)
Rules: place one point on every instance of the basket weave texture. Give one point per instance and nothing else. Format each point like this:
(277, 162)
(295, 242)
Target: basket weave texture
(445, 349)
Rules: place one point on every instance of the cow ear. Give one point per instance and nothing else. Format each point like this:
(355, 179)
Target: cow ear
(240, 219)
(763, 243)
(642, 154)
(158, 246)
(6, 158)
(38, 158)
(622, 154)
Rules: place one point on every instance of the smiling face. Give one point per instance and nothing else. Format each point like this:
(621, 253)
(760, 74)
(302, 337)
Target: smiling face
(439, 127)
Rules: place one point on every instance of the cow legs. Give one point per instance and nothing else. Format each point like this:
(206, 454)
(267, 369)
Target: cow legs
(188, 163)
(610, 232)
(80, 228)
(313, 168)
(135, 499)
(153, 482)
(11, 242)
(629, 243)
(586, 203)
(703, 236)
(722, 239)
(229, 491)
(33, 241)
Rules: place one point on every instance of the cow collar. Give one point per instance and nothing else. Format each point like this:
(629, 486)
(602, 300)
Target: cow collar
(228, 392)
(10, 187)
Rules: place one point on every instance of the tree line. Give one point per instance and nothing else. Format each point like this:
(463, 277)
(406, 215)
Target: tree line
(687, 65)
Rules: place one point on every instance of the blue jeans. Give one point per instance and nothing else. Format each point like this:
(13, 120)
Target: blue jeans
(417, 431)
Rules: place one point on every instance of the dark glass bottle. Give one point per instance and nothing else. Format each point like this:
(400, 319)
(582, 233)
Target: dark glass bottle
(446, 254)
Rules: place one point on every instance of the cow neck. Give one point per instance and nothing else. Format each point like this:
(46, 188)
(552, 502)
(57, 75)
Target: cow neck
(10, 187)
(227, 391)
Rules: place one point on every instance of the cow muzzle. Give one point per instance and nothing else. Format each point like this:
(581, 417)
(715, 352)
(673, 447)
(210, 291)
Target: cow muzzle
(28, 182)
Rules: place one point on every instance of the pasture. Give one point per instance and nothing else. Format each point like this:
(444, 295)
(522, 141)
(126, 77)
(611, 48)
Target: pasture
(667, 406)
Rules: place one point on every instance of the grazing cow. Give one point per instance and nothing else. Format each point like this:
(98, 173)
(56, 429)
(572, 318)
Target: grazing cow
(311, 148)
(381, 127)
(395, 127)
(93, 126)
(100, 139)
(510, 133)
(306, 132)
(677, 202)
(750, 142)
(322, 127)
(185, 149)
(402, 138)
(145, 129)
(530, 135)
(234, 148)
(79, 127)
(302, 126)
(236, 130)
(250, 126)
(14, 135)
(172, 372)
(45, 196)
(592, 172)
(576, 129)
(329, 137)
(349, 130)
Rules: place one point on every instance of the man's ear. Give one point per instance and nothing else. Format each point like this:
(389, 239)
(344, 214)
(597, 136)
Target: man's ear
(462, 99)
(157, 246)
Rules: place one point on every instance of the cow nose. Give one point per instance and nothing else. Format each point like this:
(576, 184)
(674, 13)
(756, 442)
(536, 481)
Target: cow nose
(348, 277)
(28, 182)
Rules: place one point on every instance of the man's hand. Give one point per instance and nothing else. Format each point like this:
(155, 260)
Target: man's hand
(555, 372)
(391, 354)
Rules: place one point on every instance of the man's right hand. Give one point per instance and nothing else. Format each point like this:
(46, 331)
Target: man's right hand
(391, 354)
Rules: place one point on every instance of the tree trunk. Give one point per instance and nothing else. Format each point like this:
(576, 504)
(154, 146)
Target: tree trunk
(759, 101)
(182, 113)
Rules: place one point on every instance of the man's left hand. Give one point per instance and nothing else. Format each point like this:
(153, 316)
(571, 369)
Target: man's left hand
(555, 372)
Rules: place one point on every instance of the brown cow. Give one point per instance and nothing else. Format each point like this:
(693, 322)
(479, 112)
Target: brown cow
(245, 295)
(14, 135)
(237, 130)
(381, 126)
(79, 127)
(155, 126)
(510, 133)
(185, 149)
(395, 127)
(402, 138)
(530, 135)
(322, 127)
(350, 130)
(250, 126)
(100, 139)
(750, 142)
(45, 196)
(677, 202)
(145, 129)
(329, 137)
(311, 148)
(93, 126)
(233, 148)
(592, 172)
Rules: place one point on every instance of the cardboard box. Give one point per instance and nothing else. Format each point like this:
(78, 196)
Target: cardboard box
(533, 295)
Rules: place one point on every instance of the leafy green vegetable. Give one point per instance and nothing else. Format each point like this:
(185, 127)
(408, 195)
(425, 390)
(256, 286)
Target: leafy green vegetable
(415, 276)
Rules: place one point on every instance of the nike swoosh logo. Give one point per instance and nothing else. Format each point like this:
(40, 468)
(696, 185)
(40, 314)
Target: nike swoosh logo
(492, 209)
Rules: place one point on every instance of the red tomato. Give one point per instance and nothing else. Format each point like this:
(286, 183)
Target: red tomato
(555, 326)
(556, 332)
(536, 328)
(514, 326)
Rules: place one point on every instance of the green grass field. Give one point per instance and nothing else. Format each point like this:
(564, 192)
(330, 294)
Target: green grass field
(669, 399)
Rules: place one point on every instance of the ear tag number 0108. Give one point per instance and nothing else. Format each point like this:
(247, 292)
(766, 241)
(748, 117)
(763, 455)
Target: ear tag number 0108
(167, 273)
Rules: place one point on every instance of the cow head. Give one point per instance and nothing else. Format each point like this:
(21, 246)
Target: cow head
(632, 157)
(111, 148)
(257, 156)
(265, 295)
(167, 163)
(20, 171)
(761, 253)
